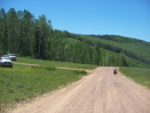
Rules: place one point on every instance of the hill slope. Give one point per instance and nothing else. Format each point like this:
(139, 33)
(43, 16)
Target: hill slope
(133, 48)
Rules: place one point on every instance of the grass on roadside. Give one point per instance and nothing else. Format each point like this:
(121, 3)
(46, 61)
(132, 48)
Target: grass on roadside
(23, 82)
(55, 63)
(139, 75)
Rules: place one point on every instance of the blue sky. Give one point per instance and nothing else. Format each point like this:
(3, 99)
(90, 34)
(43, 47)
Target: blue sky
(120, 17)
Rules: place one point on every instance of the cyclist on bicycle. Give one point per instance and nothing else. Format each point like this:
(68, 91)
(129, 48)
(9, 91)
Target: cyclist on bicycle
(115, 70)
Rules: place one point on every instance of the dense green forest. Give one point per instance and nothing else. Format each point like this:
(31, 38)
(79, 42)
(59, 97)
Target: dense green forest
(24, 35)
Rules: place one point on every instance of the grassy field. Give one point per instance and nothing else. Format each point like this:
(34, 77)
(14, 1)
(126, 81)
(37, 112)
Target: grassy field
(55, 63)
(139, 75)
(23, 82)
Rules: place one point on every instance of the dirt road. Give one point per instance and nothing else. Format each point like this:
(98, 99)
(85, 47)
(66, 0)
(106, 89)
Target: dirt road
(100, 92)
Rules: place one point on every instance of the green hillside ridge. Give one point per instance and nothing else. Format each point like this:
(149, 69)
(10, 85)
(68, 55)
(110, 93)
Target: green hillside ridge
(136, 49)
(108, 56)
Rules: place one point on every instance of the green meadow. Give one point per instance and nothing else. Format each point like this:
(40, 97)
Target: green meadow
(23, 82)
(139, 75)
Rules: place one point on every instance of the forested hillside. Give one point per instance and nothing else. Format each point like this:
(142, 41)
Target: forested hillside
(133, 48)
(22, 34)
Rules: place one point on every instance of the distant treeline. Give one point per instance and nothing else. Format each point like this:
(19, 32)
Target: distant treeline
(22, 34)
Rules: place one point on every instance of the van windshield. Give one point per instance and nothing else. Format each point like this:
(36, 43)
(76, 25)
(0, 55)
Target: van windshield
(5, 58)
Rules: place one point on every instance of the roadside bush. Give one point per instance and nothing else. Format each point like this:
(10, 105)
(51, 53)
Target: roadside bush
(49, 68)
(80, 72)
